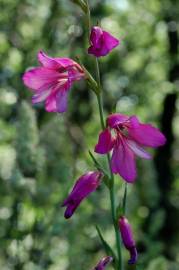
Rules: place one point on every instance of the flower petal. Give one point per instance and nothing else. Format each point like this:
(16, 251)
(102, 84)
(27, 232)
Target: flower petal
(105, 142)
(123, 161)
(57, 101)
(96, 37)
(138, 150)
(134, 255)
(40, 78)
(56, 62)
(116, 119)
(62, 100)
(40, 96)
(86, 184)
(75, 74)
(110, 41)
(102, 42)
(147, 135)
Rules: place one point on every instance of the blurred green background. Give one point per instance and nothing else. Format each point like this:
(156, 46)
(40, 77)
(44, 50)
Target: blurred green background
(42, 154)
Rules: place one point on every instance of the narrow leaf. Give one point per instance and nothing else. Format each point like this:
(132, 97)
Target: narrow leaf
(106, 246)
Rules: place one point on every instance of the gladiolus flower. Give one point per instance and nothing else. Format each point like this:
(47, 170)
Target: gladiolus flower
(86, 184)
(52, 80)
(102, 42)
(130, 138)
(127, 238)
(103, 263)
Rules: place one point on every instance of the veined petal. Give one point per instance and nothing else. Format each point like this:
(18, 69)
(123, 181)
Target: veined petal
(56, 62)
(47, 61)
(51, 104)
(147, 135)
(105, 142)
(138, 150)
(75, 74)
(123, 161)
(40, 78)
(57, 101)
(62, 100)
(116, 119)
(40, 96)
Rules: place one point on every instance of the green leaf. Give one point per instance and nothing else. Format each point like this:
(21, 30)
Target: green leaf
(107, 247)
(99, 167)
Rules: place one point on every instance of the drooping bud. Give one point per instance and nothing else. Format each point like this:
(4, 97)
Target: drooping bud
(86, 184)
(127, 238)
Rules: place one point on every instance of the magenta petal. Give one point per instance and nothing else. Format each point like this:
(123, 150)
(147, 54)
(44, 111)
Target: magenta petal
(110, 41)
(105, 142)
(51, 104)
(40, 96)
(47, 61)
(127, 238)
(123, 161)
(56, 62)
(86, 184)
(116, 119)
(133, 255)
(101, 41)
(96, 37)
(61, 100)
(57, 100)
(75, 74)
(134, 122)
(40, 78)
(137, 149)
(147, 135)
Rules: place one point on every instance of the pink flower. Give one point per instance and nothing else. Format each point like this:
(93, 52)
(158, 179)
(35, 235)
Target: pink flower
(102, 42)
(130, 138)
(86, 184)
(52, 80)
(127, 238)
(103, 263)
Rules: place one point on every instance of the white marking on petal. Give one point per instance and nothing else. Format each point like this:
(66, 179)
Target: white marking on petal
(138, 150)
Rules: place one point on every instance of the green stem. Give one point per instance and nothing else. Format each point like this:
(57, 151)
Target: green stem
(88, 19)
(124, 200)
(111, 190)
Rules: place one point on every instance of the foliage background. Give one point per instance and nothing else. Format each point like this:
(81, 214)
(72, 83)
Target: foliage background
(42, 154)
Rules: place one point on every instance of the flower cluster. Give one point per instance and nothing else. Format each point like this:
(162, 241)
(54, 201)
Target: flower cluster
(124, 135)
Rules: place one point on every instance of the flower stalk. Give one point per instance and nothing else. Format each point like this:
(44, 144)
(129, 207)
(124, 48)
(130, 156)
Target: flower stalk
(111, 189)
(98, 93)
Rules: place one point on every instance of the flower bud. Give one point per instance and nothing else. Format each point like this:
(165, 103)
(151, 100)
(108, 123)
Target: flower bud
(103, 263)
(127, 238)
(85, 185)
